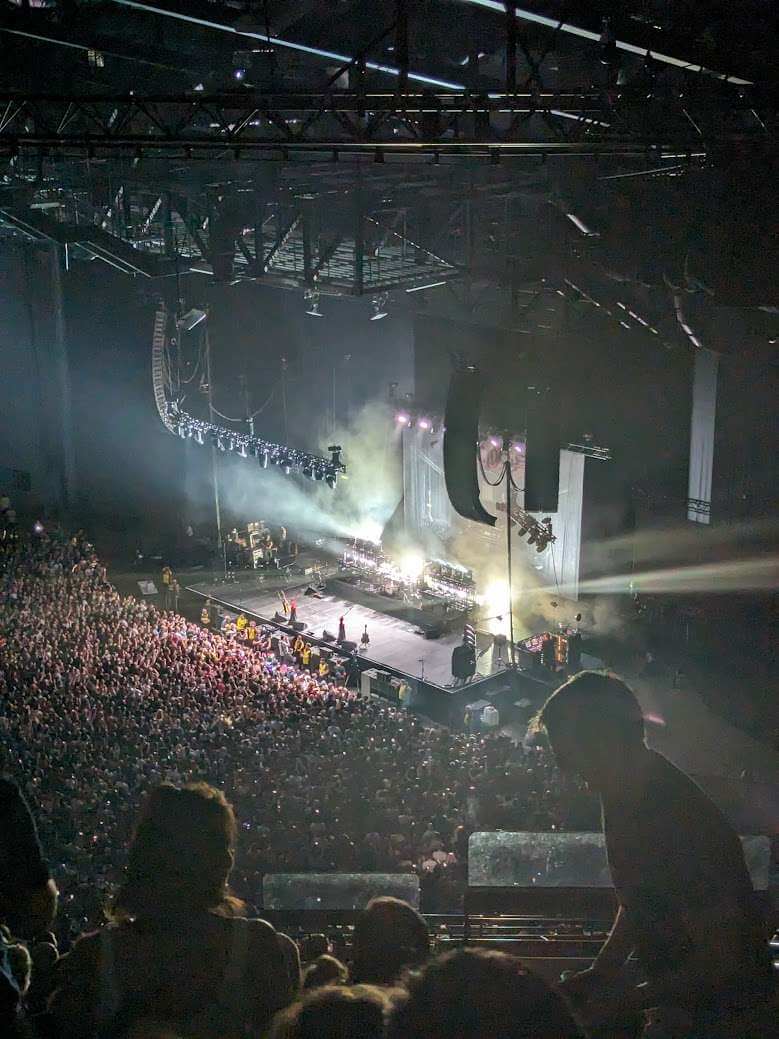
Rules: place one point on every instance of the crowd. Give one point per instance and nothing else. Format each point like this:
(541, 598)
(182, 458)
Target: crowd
(103, 696)
(132, 732)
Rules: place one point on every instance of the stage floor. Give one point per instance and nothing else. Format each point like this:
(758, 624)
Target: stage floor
(394, 643)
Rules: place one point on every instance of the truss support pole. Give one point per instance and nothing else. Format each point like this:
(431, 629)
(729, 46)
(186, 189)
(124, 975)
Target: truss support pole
(214, 465)
(704, 413)
(401, 44)
(511, 48)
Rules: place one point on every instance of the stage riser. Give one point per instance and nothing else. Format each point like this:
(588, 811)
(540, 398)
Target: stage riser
(433, 620)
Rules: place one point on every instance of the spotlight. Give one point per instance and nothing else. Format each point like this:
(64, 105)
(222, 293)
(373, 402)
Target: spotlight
(221, 444)
(411, 565)
(519, 448)
(308, 471)
(331, 480)
(192, 318)
(199, 436)
(239, 74)
(541, 546)
(378, 304)
(335, 452)
(424, 423)
(494, 442)
(402, 419)
(311, 296)
(264, 459)
(319, 474)
(242, 451)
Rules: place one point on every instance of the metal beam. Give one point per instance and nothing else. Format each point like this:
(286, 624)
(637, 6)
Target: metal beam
(559, 25)
(241, 123)
(277, 41)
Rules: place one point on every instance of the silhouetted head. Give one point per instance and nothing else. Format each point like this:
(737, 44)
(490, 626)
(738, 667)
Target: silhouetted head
(325, 970)
(479, 994)
(335, 1012)
(181, 854)
(388, 937)
(595, 727)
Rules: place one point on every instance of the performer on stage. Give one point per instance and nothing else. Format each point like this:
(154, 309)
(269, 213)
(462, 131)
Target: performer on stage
(365, 640)
(293, 611)
(341, 630)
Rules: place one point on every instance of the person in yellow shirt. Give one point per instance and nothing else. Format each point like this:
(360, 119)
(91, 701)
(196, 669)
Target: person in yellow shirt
(251, 632)
(205, 615)
(324, 668)
(241, 621)
(306, 655)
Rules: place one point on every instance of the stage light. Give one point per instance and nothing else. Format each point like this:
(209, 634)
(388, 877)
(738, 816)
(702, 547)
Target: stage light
(369, 530)
(494, 442)
(424, 423)
(421, 288)
(191, 319)
(242, 451)
(308, 471)
(581, 226)
(221, 444)
(497, 606)
(402, 419)
(319, 474)
(378, 305)
(335, 454)
(331, 481)
(519, 448)
(311, 296)
(199, 436)
(264, 459)
(411, 565)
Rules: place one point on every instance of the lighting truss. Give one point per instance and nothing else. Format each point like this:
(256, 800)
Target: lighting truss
(240, 125)
(267, 453)
(538, 532)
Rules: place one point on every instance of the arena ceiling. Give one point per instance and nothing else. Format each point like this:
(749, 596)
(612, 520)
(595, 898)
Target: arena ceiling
(358, 147)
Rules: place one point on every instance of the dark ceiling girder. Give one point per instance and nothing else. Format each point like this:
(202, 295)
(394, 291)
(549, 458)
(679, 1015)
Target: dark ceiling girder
(648, 44)
(238, 124)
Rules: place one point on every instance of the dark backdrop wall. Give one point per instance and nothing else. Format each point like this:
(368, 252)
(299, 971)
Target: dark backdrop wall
(36, 467)
(626, 393)
(129, 466)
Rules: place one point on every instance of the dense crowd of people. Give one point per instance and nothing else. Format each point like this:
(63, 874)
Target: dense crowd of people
(104, 695)
(132, 732)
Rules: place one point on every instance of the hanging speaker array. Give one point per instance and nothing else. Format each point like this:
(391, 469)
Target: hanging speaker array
(461, 438)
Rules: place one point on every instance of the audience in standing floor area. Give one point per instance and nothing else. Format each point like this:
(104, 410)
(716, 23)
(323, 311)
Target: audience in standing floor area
(104, 696)
(104, 699)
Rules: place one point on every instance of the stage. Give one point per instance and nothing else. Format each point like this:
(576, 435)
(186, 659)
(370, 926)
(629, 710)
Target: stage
(395, 642)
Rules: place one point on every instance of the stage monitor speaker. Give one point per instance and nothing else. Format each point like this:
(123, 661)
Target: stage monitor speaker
(461, 439)
(298, 626)
(328, 636)
(542, 452)
(348, 647)
(280, 618)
